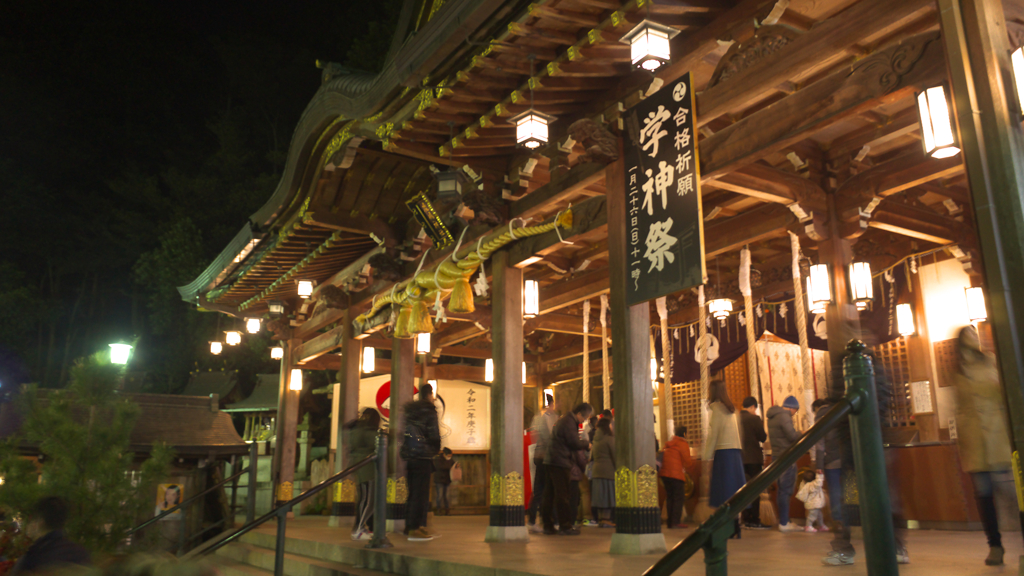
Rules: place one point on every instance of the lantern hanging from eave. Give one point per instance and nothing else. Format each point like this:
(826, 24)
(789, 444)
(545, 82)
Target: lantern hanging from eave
(938, 132)
(276, 353)
(252, 325)
(295, 383)
(369, 359)
(305, 289)
(216, 348)
(905, 320)
(532, 128)
(861, 289)
(819, 289)
(232, 337)
(720, 308)
(423, 343)
(976, 309)
(649, 45)
(276, 308)
(449, 184)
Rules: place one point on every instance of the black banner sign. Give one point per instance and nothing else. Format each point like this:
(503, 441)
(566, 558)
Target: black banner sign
(664, 217)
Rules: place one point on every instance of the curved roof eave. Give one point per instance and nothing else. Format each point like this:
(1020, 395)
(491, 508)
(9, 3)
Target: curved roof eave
(352, 97)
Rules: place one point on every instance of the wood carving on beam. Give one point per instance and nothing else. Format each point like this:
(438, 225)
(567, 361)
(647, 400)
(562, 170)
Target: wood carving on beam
(487, 209)
(600, 145)
(332, 297)
(280, 328)
(766, 41)
(385, 267)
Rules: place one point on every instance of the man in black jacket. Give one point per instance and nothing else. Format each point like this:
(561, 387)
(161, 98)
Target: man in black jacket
(752, 434)
(50, 548)
(421, 442)
(565, 439)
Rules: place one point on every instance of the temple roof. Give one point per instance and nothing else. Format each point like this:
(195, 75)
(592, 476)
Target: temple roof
(263, 398)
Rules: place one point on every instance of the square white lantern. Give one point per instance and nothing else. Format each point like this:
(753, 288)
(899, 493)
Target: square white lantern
(819, 289)
(305, 288)
(861, 289)
(1017, 63)
(531, 299)
(489, 370)
(119, 353)
(423, 343)
(369, 359)
(449, 184)
(905, 320)
(295, 382)
(976, 309)
(532, 128)
(276, 308)
(276, 353)
(549, 396)
(720, 308)
(216, 348)
(938, 134)
(252, 325)
(649, 45)
(232, 337)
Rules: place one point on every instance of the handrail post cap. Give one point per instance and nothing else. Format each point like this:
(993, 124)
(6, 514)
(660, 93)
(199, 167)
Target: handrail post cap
(855, 346)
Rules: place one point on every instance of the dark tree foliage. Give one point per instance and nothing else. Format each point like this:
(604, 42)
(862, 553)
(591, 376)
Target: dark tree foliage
(135, 140)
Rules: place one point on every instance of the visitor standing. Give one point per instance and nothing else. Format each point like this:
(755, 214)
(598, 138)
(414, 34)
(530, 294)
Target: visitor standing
(723, 446)
(421, 441)
(828, 460)
(782, 435)
(752, 435)
(50, 549)
(675, 461)
(565, 438)
(443, 464)
(982, 433)
(813, 497)
(362, 440)
(602, 481)
(541, 430)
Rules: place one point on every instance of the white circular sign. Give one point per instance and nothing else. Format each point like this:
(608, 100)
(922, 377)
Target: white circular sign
(679, 91)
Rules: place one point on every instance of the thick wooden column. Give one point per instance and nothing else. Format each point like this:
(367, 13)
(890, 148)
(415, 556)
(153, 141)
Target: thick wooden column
(507, 523)
(842, 320)
(977, 52)
(289, 420)
(919, 360)
(638, 527)
(342, 500)
(403, 375)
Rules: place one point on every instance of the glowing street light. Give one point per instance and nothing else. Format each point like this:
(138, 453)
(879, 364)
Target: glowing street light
(369, 359)
(276, 353)
(119, 353)
(252, 325)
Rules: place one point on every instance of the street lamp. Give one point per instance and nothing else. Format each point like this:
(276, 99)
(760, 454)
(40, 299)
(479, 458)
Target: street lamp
(860, 284)
(937, 133)
(649, 46)
(252, 325)
(119, 353)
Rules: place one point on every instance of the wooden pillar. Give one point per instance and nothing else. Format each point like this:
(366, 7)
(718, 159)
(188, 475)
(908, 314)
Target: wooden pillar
(348, 409)
(919, 361)
(842, 320)
(403, 374)
(289, 422)
(507, 523)
(977, 52)
(638, 526)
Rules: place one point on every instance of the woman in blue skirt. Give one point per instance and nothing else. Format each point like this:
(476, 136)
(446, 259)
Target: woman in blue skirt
(723, 445)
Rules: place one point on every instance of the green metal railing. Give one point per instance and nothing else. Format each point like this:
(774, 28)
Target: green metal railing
(861, 405)
(379, 539)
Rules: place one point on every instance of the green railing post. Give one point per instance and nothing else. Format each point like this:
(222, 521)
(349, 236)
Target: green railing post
(380, 497)
(282, 530)
(250, 504)
(715, 551)
(869, 463)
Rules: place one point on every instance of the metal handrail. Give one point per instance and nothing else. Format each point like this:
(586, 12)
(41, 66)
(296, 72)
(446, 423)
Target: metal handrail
(861, 404)
(282, 510)
(188, 502)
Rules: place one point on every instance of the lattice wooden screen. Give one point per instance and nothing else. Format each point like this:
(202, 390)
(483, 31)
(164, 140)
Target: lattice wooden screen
(945, 362)
(737, 381)
(893, 356)
(686, 400)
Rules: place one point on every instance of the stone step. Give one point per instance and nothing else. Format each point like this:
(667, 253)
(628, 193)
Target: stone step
(249, 560)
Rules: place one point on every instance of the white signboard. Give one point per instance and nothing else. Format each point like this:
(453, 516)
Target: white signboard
(921, 397)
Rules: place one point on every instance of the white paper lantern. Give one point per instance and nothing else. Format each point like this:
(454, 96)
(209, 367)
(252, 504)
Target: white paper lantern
(305, 288)
(295, 382)
(532, 128)
(489, 370)
(905, 320)
(976, 309)
(938, 134)
(216, 348)
(819, 289)
(649, 45)
(861, 289)
(531, 299)
(252, 325)
(369, 359)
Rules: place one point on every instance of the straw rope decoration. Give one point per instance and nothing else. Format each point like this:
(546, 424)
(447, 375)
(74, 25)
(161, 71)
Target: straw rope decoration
(801, 329)
(448, 279)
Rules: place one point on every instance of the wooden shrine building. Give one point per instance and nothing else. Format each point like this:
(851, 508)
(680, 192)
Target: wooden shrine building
(793, 133)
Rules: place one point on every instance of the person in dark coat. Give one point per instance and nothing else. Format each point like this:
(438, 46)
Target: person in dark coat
(565, 439)
(362, 442)
(783, 435)
(421, 442)
(443, 464)
(50, 549)
(752, 434)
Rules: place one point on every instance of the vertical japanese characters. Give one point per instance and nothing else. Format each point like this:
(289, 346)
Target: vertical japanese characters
(471, 417)
(666, 234)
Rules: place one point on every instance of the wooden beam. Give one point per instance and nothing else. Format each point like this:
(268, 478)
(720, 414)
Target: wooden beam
(560, 188)
(572, 373)
(888, 178)
(569, 292)
(570, 351)
(911, 228)
(825, 40)
(458, 334)
(733, 233)
(886, 76)
(563, 323)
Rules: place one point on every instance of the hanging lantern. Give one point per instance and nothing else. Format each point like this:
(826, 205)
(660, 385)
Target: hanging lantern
(295, 382)
(369, 359)
(937, 131)
(1017, 63)
(720, 308)
(524, 372)
(531, 128)
(276, 308)
(549, 397)
(531, 299)
(819, 290)
(861, 288)
(489, 370)
(216, 348)
(119, 353)
(276, 353)
(232, 337)
(649, 45)
(905, 320)
(433, 385)
(423, 343)
(449, 184)
(252, 325)
(976, 310)
(305, 289)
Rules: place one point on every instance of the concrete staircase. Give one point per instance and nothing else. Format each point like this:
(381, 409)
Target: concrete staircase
(254, 556)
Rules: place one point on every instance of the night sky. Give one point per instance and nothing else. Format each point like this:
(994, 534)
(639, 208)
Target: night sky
(135, 140)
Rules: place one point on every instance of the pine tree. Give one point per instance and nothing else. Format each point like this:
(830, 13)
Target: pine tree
(84, 435)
